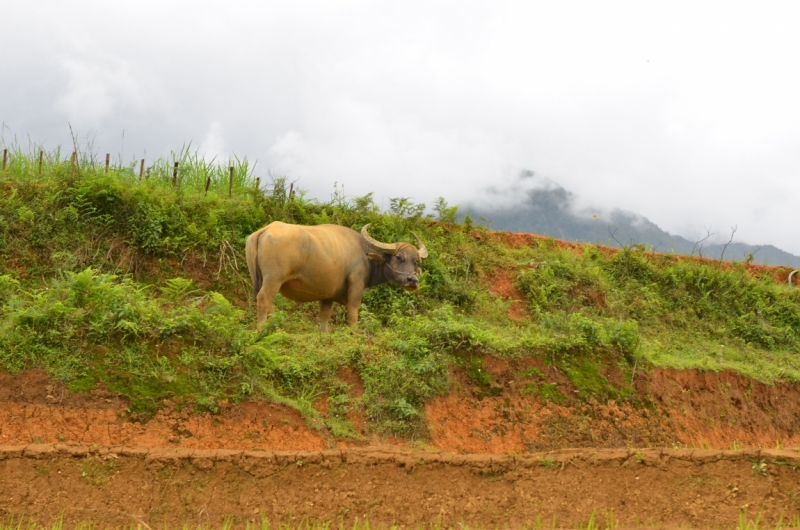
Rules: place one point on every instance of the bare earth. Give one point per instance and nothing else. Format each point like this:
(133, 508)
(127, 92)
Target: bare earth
(92, 460)
(120, 486)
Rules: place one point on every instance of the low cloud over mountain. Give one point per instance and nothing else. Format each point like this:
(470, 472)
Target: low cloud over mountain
(538, 205)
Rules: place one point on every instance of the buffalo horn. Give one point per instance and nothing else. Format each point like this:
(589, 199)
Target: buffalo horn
(423, 252)
(374, 244)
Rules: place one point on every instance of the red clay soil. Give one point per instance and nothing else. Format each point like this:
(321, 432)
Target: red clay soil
(470, 420)
(120, 487)
(675, 409)
(726, 410)
(35, 409)
(501, 283)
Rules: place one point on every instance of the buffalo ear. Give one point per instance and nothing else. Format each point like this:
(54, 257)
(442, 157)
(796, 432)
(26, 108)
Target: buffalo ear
(376, 256)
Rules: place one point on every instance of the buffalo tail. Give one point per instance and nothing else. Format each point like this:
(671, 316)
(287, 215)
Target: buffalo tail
(258, 279)
(255, 270)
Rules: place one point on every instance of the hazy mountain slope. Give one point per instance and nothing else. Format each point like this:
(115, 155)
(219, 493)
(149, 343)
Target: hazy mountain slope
(550, 211)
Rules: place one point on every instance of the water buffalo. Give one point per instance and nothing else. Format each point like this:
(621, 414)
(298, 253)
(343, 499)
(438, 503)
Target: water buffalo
(329, 263)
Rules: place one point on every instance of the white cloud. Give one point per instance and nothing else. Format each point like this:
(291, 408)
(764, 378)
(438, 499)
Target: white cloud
(685, 112)
(213, 144)
(95, 89)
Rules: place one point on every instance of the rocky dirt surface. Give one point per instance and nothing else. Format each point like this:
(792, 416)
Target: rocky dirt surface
(121, 486)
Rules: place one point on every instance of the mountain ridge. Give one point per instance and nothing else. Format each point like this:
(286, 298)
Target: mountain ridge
(549, 209)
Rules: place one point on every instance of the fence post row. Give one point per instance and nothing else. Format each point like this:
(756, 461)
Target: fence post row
(74, 159)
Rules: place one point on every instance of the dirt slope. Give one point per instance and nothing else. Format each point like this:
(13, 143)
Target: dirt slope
(678, 409)
(35, 409)
(120, 486)
(158, 478)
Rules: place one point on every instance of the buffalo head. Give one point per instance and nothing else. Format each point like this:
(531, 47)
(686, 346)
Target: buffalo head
(400, 260)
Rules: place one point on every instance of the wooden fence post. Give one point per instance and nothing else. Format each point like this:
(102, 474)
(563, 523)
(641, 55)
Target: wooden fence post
(108, 161)
(208, 183)
(5, 158)
(175, 175)
(230, 183)
(141, 169)
(41, 160)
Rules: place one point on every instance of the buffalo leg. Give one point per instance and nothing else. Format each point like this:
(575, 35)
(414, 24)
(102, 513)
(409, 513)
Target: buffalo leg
(352, 315)
(264, 300)
(353, 301)
(325, 309)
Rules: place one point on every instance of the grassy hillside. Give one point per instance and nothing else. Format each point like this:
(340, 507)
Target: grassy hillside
(141, 285)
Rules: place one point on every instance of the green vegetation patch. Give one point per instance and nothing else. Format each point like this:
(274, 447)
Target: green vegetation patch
(140, 284)
(589, 382)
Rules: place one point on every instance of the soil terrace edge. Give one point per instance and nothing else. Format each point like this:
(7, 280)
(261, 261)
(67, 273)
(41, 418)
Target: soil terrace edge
(205, 458)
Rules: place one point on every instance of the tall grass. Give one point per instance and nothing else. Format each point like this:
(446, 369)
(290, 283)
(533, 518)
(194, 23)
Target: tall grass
(193, 170)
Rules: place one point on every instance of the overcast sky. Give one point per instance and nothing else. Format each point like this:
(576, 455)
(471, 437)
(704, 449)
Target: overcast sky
(685, 112)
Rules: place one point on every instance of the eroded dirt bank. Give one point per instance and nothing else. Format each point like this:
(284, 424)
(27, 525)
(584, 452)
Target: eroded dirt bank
(33, 408)
(119, 486)
(674, 409)
(181, 467)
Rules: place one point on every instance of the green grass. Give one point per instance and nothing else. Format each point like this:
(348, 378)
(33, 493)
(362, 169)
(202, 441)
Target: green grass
(93, 289)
